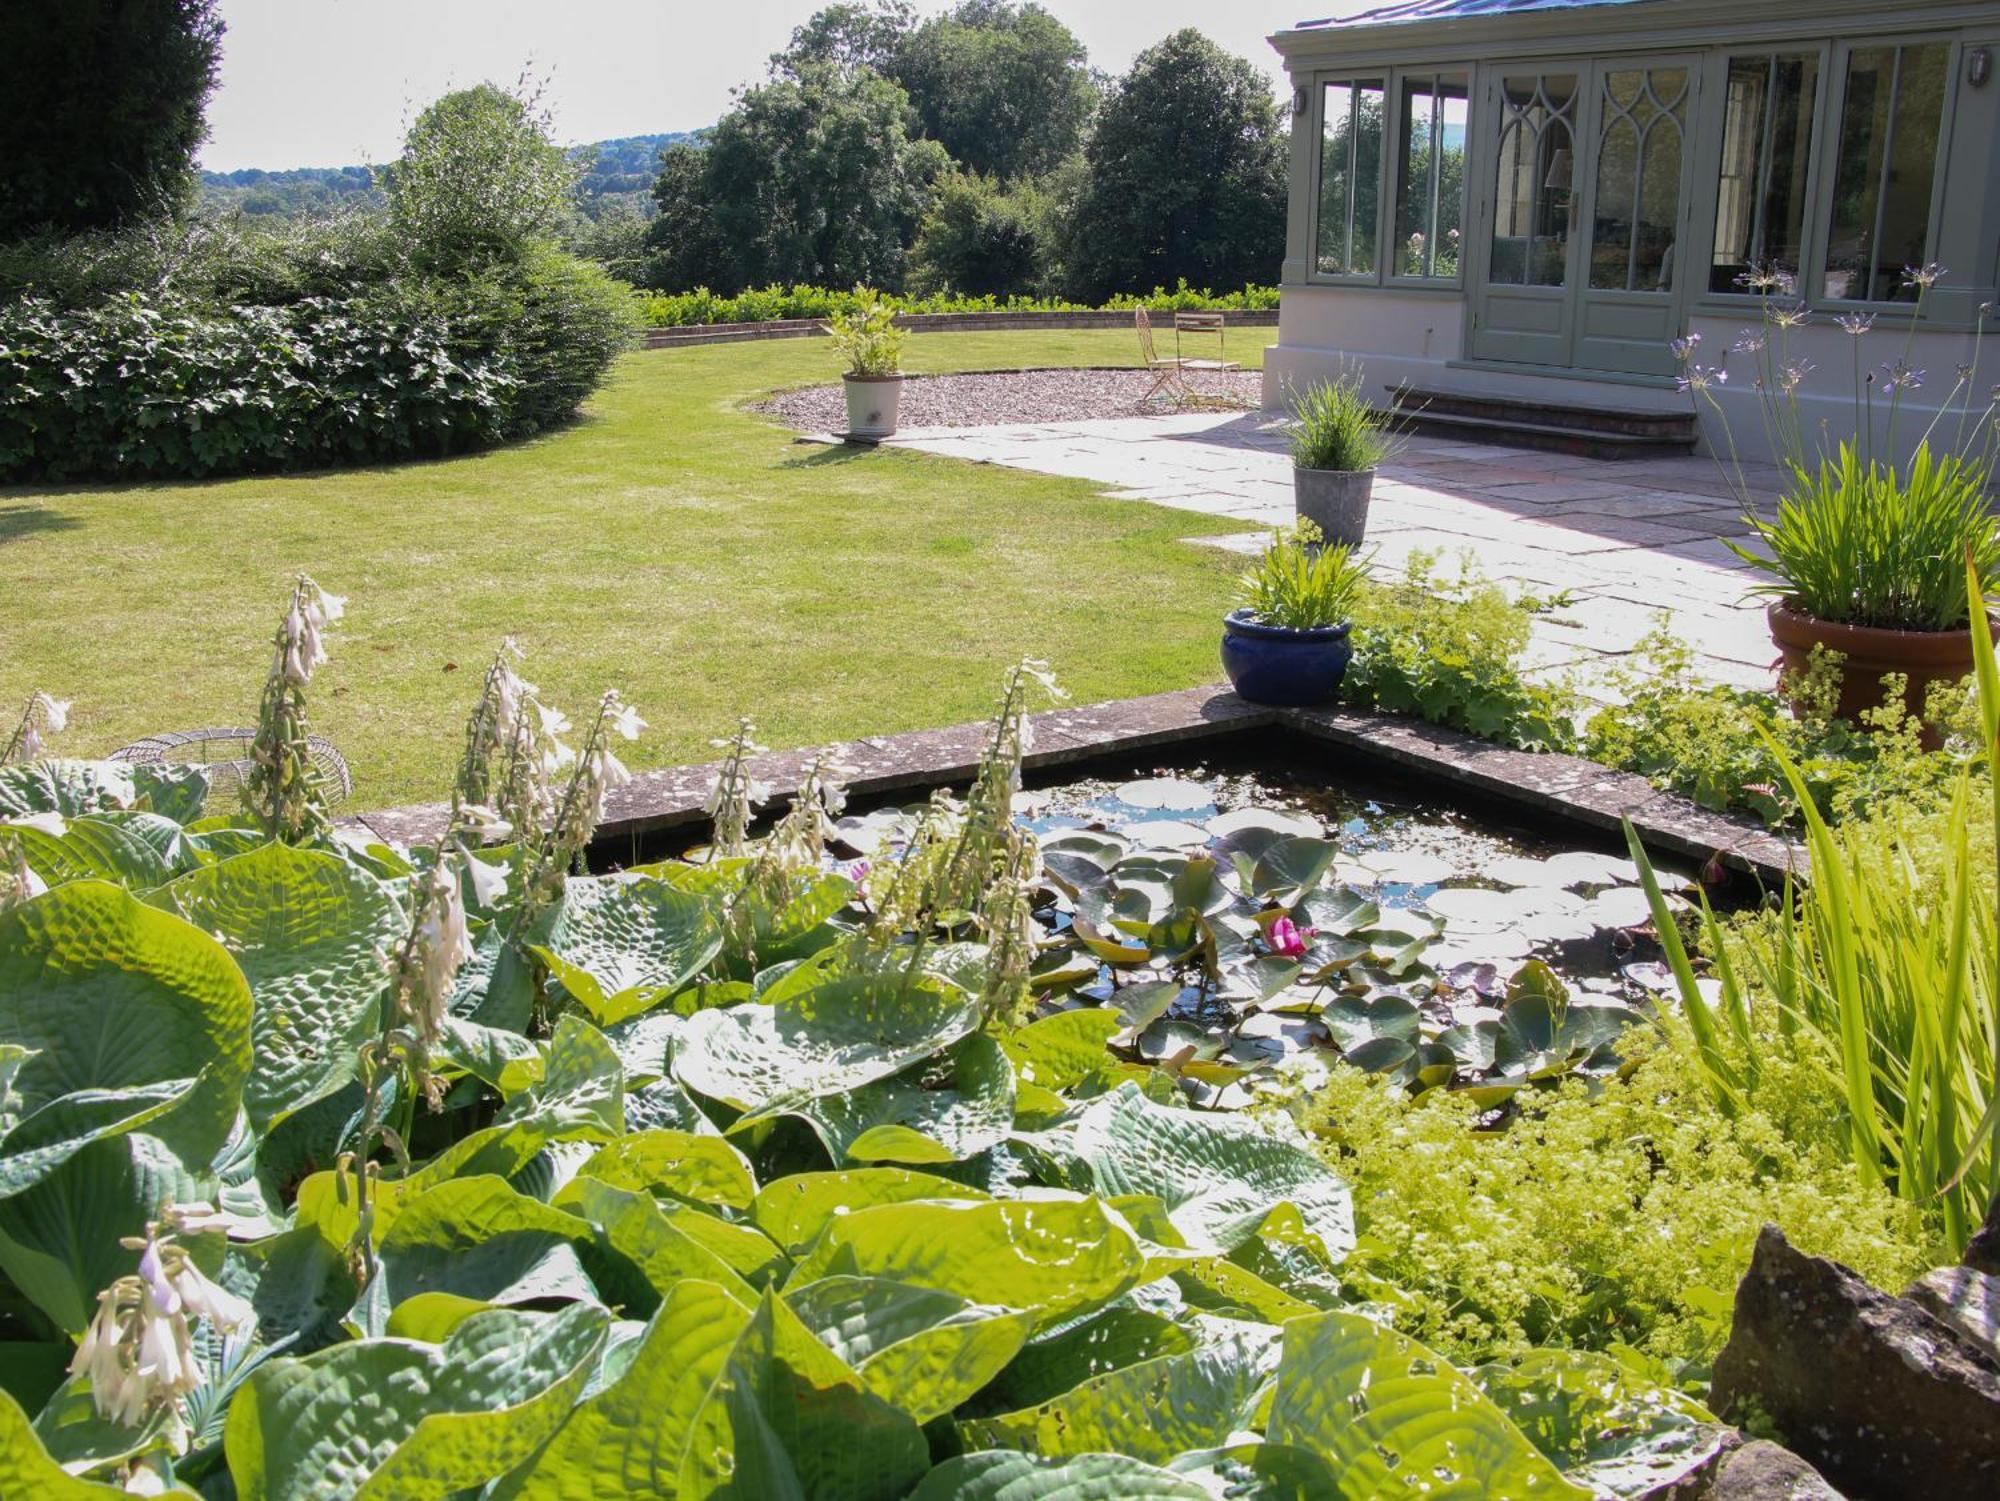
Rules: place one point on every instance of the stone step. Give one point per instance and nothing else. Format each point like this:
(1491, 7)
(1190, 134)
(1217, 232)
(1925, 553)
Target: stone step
(1584, 431)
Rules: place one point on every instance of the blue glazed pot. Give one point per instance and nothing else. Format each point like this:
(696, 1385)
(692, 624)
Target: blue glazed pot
(1287, 669)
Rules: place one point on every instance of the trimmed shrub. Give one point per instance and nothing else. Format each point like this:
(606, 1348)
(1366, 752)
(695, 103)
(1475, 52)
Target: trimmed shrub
(767, 304)
(159, 384)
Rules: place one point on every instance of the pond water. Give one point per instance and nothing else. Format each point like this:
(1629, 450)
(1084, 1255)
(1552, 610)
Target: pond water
(1239, 916)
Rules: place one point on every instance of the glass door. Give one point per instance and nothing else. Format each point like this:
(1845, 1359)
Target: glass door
(1587, 214)
(1521, 301)
(1636, 217)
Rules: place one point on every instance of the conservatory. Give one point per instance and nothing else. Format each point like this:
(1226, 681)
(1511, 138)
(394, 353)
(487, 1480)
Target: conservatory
(1523, 202)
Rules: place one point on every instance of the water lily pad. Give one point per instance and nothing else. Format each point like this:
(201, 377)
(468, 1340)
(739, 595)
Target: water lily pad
(1589, 868)
(1228, 825)
(1164, 834)
(1619, 907)
(1166, 792)
(1410, 867)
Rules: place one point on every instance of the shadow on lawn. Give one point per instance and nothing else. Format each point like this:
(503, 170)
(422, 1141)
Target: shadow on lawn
(25, 520)
(826, 454)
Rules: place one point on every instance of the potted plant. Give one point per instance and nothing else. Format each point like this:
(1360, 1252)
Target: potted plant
(1287, 643)
(1867, 551)
(866, 337)
(1338, 440)
(1869, 560)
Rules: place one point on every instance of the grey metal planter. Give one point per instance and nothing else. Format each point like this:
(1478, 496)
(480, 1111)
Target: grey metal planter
(1334, 500)
(872, 404)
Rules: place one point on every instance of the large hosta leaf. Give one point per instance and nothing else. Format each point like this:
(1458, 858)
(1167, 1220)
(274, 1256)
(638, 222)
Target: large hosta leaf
(130, 1016)
(662, 1246)
(1608, 1429)
(621, 946)
(1259, 1472)
(918, 1349)
(631, 1438)
(767, 1060)
(1155, 1410)
(59, 1239)
(478, 1238)
(1219, 1176)
(396, 1420)
(97, 847)
(915, 1119)
(1061, 1258)
(695, 1168)
(1394, 1420)
(1008, 1476)
(787, 1418)
(27, 1471)
(792, 1210)
(1122, 1335)
(68, 787)
(313, 934)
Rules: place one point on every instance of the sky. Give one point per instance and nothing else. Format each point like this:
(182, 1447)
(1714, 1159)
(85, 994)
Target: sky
(328, 83)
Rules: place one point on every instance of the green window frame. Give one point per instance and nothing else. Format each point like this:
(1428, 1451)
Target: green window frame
(1885, 147)
(1390, 162)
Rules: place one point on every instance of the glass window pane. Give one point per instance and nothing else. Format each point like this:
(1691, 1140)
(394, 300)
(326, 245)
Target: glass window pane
(1637, 206)
(1350, 177)
(1760, 201)
(1889, 126)
(1430, 179)
(1535, 184)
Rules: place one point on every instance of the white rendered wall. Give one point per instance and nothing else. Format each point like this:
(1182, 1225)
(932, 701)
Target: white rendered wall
(1409, 337)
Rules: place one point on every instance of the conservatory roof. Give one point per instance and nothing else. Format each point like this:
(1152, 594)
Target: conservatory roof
(1443, 10)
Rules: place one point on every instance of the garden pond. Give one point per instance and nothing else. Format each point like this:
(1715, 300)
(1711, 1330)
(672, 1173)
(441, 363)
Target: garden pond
(1437, 945)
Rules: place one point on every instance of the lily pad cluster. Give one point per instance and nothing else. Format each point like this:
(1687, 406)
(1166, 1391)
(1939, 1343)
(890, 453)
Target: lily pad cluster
(722, 1183)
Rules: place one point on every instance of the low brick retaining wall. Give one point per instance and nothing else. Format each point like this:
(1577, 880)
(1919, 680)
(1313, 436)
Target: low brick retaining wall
(1535, 787)
(948, 323)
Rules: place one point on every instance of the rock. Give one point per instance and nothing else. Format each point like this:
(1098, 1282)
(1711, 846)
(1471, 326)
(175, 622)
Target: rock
(1762, 1471)
(1982, 1252)
(1967, 1300)
(1885, 1399)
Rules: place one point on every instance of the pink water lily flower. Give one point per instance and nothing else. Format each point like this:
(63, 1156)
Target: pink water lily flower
(1288, 938)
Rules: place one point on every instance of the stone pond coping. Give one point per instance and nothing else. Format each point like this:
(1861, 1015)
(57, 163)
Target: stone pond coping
(686, 335)
(1535, 789)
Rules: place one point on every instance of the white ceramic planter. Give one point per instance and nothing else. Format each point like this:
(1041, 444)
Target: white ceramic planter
(1334, 500)
(872, 404)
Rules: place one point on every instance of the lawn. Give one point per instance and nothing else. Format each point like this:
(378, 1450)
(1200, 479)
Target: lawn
(669, 544)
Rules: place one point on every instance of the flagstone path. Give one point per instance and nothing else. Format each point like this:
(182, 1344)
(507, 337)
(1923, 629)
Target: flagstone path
(1621, 541)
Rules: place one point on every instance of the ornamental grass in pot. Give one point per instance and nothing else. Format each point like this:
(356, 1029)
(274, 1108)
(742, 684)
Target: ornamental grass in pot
(1287, 643)
(1338, 442)
(1868, 550)
(867, 339)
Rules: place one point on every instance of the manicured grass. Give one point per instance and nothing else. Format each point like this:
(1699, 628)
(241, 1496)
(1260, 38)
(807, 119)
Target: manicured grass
(670, 544)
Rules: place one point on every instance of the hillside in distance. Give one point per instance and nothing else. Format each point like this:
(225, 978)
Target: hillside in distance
(621, 169)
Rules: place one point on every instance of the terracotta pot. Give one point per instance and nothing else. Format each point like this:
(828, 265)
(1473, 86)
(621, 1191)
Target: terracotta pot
(1926, 657)
(872, 404)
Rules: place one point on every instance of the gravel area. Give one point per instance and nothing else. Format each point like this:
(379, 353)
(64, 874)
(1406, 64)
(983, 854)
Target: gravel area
(1000, 397)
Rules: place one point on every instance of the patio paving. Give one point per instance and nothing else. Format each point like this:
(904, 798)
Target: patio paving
(1624, 541)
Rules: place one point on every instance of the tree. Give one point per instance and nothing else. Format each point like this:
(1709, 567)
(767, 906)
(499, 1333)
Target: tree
(814, 179)
(1005, 88)
(846, 36)
(480, 179)
(980, 239)
(1187, 177)
(103, 109)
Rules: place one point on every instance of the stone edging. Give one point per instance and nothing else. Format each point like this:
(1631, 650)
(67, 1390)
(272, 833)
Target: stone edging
(1539, 786)
(683, 336)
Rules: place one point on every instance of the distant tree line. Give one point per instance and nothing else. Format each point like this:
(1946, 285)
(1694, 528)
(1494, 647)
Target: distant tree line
(976, 152)
(612, 177)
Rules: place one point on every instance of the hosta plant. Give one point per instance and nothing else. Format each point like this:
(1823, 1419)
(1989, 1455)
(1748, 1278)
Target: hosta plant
(331, 1169)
